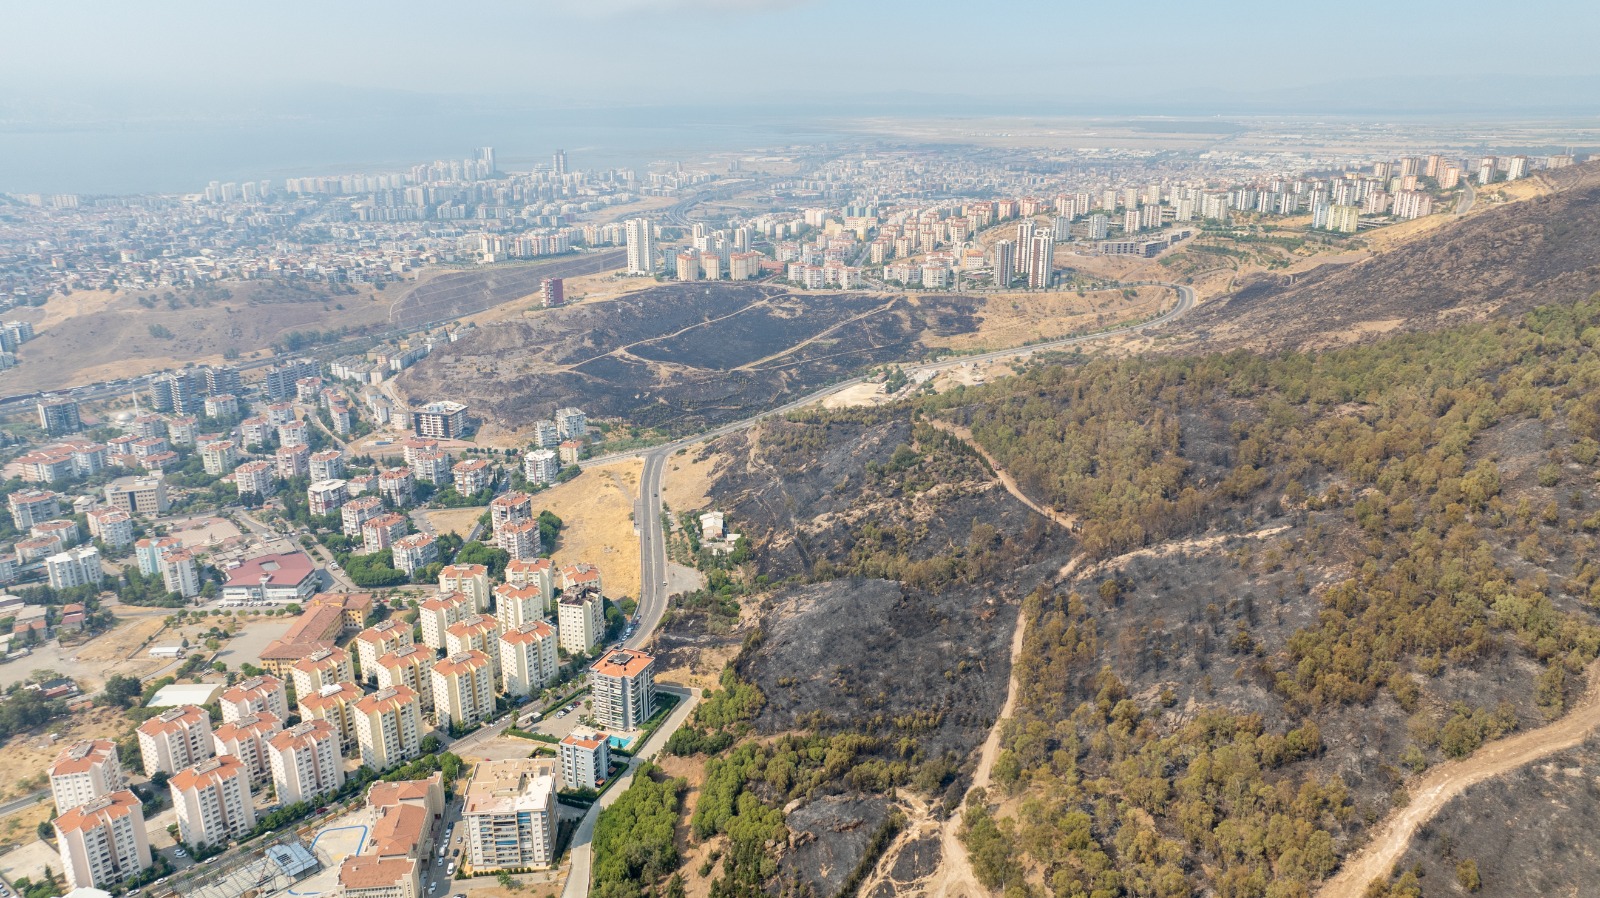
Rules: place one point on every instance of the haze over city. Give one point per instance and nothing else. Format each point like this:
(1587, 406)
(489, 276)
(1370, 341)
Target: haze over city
(797, 448)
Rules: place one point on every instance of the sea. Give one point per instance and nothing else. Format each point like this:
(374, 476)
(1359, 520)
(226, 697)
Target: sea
(183, 157)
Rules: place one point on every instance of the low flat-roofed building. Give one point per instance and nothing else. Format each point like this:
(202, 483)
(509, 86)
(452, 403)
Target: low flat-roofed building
(287, 577)
(184, 694)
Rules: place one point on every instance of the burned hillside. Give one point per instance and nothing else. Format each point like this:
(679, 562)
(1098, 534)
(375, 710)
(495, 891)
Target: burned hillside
(907, 562)
(1503, 261)
(681, 358)
(1306, 577)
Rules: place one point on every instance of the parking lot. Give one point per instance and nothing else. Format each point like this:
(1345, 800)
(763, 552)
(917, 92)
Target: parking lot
(555, 725)
(251, 640)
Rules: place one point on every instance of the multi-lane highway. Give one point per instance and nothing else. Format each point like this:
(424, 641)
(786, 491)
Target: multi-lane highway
(652, 549)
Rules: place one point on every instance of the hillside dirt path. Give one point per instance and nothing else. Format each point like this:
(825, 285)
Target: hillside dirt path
(1444, 782)
(626, 348)
(954, 878)
(1006, 480)
(754, 366)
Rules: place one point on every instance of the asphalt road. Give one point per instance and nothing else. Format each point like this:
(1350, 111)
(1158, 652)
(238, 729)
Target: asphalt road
(1464, 205)
(652, 549)
(1185, 303)
(578, 879)
(26, 801)
(653, 555)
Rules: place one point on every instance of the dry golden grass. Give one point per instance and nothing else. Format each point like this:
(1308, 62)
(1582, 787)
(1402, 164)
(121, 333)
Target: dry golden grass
(23, 826)
(123, 643)
(1387, 238)
(1014, 319)
(457, 520)
(700, 667)
(25, 758)
(596, 512)
(688, 478)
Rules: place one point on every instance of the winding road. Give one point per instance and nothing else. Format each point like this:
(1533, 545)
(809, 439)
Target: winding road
(652, 542)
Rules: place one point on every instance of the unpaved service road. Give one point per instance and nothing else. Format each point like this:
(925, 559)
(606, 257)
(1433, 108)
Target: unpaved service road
(1442, 783)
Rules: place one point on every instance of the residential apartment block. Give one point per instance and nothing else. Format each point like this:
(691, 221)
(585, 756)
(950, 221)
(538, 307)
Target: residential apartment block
(103, 841)
(213, 801)
(174, 739)
(305, 761)
(84, 771)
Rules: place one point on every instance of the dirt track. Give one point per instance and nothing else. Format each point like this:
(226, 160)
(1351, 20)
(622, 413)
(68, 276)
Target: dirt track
(954, 878)
(1446, 781)
(1007, 481)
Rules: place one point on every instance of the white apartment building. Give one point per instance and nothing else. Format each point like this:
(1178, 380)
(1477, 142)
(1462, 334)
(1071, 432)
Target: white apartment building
(324, 667)
(471, 580)
(439, 613)
(254, 696)
(580, 619)
(389, 727)
(213, 801)
(336, 705)
(246, 738)
(528, 659)
(541, 466)
(174, 739)
(306, 762)
(585, 759)
(510, 508)
(463, 688)
(518, 605)
(414, 552)
(475, 632)
(376, 641)
(354, 514)
(325, 496)
(327, 465)
(641, 239)
(623, 688)
(180, 573)
(411, 666)
(538, 573)
(84, 771)
(572, 423)
(510, 816)
(74, 568)
(103, 842)
(112, 525)
(521, 540)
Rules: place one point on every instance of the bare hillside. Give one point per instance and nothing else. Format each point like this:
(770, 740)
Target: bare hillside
(1506, 260)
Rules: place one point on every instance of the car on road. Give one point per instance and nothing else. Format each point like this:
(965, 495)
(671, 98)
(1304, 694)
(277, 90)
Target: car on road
(180, 852)
(451, 870)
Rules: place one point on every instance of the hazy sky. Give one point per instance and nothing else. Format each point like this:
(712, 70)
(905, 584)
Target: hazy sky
(116, 54)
